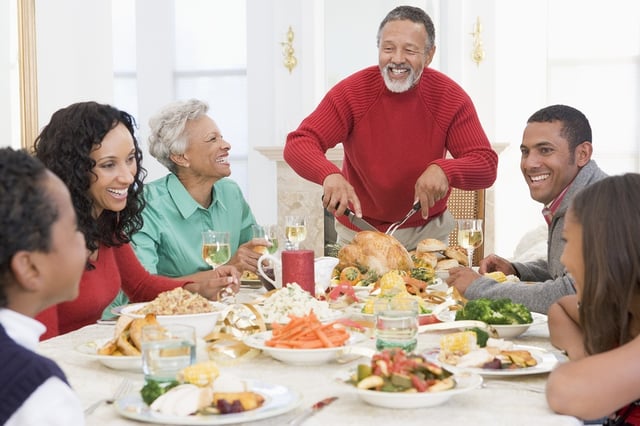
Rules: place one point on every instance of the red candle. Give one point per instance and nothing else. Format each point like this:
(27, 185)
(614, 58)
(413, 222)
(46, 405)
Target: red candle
(298, 267)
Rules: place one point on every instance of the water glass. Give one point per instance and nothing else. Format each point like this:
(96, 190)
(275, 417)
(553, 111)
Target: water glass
(267, 232)
(396, 322)
(166, 350)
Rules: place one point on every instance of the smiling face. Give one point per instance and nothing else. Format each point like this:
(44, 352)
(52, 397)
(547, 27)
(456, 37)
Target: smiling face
(572, 255)
(402, 54)
(114, 170)
(546, 162)
(207, 153)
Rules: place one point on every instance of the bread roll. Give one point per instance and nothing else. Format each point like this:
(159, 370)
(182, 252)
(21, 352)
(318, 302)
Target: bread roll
(458, 254)
(430, 245)
(429, 258)
(447, 264)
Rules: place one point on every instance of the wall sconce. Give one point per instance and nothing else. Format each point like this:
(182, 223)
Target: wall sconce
(288, 52)
(477, 54)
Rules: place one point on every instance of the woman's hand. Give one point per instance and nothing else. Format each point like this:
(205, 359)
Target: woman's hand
(246, 258)
(211, 284)
(493, 263)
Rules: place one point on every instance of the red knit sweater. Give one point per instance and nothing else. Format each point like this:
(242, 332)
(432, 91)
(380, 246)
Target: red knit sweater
(390, 139)
(115, 268)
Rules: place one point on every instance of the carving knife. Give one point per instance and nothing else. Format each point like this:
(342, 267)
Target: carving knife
(299, 419)
(359, 222)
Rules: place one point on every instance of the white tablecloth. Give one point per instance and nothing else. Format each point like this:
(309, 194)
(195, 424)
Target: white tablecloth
(512, 401)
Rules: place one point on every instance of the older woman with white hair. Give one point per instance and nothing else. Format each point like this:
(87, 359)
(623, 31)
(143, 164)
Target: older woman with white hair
(195, 196)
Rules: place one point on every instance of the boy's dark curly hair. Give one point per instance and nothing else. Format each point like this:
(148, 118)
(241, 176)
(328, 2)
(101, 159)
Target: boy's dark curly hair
(64, 146)
(27, 211)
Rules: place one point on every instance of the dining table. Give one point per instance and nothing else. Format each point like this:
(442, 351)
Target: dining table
(501, 400)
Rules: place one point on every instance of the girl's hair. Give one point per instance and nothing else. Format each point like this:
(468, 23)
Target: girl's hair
(64, 146)
(610, 218)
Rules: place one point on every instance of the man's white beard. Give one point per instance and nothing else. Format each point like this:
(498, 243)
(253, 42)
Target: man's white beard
(398, 86)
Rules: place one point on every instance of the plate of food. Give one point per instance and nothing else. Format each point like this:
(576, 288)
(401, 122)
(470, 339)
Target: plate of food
(394, 379)
(305, 341)
(493, 312)
(276, 400)
(250, 280)
(117, 361)
(459, 353)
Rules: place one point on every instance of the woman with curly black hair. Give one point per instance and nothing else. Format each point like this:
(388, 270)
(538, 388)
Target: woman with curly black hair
(93, 149)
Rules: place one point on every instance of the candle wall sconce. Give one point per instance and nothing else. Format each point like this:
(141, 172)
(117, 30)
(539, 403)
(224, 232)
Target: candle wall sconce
(477, 54)
(288, 51)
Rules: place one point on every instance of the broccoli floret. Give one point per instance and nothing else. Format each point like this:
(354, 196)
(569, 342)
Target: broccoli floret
(423, 274)
(497, 312)
(152, 390)
(481, 336)
(478, 309)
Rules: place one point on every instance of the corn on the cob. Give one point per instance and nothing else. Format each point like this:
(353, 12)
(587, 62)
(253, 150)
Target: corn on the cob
(459, 343)
(498, 276)
(200, 374)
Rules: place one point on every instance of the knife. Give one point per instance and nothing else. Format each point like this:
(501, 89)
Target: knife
(299, 419)
(358, 221)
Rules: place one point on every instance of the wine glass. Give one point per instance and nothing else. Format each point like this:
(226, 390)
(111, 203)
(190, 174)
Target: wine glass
(470, 236)
(216, 250)
(295, 231)
(269, 233)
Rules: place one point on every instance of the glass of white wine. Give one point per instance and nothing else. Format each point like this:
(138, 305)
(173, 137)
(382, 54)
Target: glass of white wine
(269, 233)
(216, 250)
(470, 236)
(295, 230)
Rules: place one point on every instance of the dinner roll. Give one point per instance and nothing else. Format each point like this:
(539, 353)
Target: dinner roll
(458, 254)
(429, 258)
(447, 264)
(430, 245)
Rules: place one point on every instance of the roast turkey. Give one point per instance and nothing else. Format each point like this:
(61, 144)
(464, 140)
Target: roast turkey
(375, 251)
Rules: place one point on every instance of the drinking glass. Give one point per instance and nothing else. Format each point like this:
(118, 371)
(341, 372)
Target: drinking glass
(166, 350)
(470, 236)
(269, 233)
(396, 322)
(216, 250)
(295, 231)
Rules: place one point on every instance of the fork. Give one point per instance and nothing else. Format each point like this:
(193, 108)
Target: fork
(123, 388)
(395, 225)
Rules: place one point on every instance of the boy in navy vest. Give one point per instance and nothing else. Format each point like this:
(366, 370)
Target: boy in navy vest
(42, 256)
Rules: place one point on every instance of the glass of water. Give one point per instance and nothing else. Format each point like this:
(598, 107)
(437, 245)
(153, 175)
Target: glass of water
(396, 322)
(166, 350)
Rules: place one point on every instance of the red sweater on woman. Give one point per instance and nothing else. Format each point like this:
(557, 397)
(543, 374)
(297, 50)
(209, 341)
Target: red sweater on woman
(115, 268)
(390, 139)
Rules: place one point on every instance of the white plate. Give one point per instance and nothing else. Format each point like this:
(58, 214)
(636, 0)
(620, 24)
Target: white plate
(546, 362)
(300, 356)
(204, 323)
(278, 400)
(504, 331)
(465, 382)
(129, 363)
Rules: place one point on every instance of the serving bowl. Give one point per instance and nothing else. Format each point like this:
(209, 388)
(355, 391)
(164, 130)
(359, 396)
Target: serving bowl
(203, 323)
(503, 331)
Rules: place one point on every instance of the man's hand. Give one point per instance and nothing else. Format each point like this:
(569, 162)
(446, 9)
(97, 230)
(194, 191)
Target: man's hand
(431, 186)
(461, 278)
(493, 263)
(337, 194)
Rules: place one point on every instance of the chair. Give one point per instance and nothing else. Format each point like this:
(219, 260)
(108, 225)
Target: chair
(467, 205)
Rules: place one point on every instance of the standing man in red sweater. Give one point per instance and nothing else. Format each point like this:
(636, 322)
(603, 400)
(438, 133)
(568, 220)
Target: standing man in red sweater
(396, 123)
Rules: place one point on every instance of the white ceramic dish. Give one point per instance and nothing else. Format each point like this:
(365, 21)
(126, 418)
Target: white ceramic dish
(545, 359)
(128, 363)
(278, 400)
(203, 323)
(504, 331)
(300, 356)
(465, 382)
